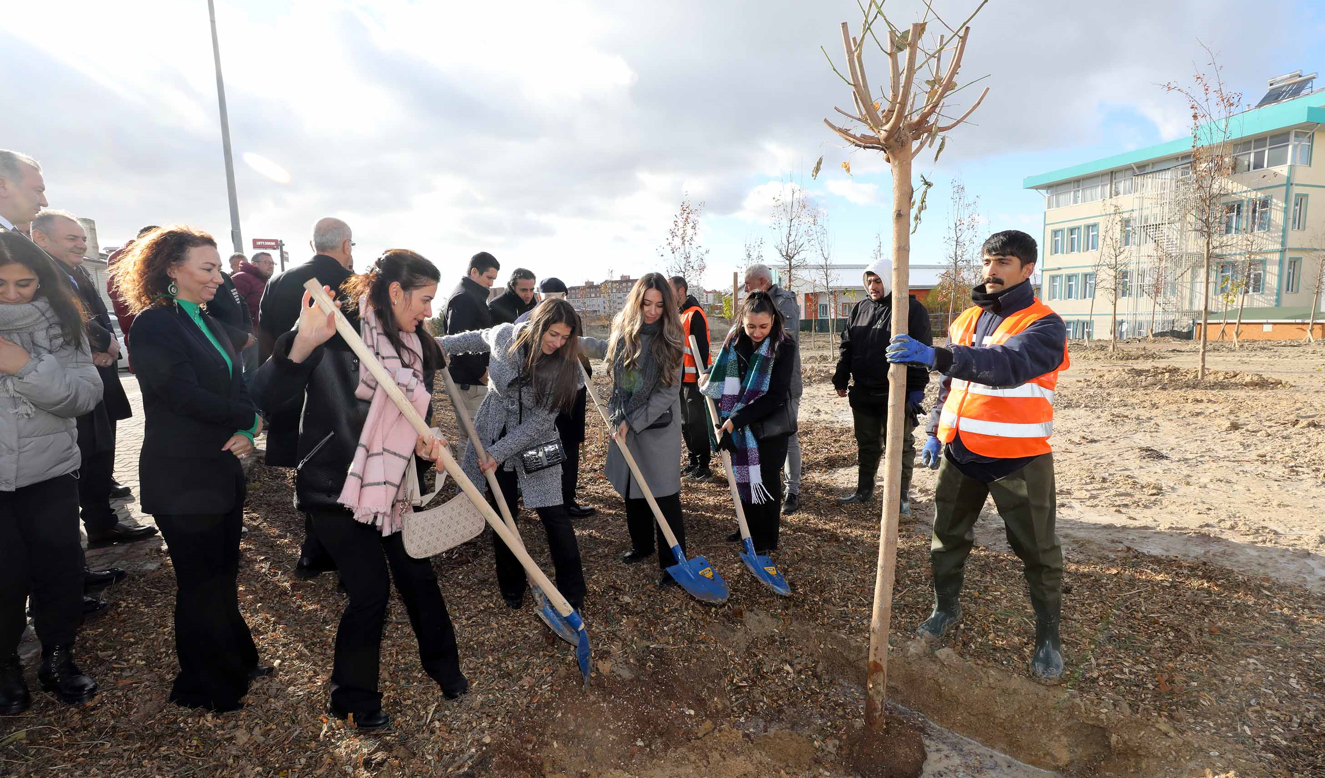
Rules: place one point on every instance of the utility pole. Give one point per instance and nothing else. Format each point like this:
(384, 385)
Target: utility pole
(225, 138)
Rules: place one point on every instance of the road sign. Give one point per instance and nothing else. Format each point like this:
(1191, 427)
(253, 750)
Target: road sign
(266, 243)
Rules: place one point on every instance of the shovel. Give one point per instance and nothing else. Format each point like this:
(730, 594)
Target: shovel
(512, 540)
(761, 566)
(696, 575)
(544, 609)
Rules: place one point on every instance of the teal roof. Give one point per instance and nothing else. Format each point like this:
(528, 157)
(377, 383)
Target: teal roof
(1290, 113)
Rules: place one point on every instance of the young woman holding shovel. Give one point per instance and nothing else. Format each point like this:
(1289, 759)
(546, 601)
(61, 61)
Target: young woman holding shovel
(751, 382)
(354, 446)
(533, 374)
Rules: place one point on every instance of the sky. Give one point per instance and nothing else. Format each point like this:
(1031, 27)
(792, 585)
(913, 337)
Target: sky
(562, 136)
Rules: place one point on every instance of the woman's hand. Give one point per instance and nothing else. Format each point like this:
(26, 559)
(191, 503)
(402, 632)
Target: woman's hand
(102, 359)
(239, 445)
(315, 327)
(488, 464)
(12, 357)
(620, 432)
(726, 427)
(429, 448)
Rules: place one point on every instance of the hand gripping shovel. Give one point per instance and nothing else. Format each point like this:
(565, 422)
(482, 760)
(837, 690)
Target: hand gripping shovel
(544, 609)
(761, 566)
(512, 540)
(696, 575)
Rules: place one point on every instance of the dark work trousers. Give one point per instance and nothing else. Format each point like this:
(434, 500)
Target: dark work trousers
(95, 475)
(561, 543)
(765, 519)
(644, 529)
(695, 424)
(368, 562)
(1028, 505)
(41, 554)
(312, 548)
(871, 425)
(212, 640)
(570, 473)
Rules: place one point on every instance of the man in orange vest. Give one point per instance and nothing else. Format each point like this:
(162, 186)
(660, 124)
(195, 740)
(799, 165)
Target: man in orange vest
(694, 416)
(996, 413)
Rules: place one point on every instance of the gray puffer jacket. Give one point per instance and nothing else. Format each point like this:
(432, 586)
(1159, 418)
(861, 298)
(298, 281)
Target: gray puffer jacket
(501, 412)
(38, 406)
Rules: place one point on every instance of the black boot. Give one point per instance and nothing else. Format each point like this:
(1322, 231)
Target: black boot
(59, 674)
(947, 612)
(864, 490)
(14, 695)
(701, 473)
(906, 500)
(792, 504)
(1047, 663)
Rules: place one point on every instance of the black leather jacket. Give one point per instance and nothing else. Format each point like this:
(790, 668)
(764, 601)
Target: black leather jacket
(333, 417)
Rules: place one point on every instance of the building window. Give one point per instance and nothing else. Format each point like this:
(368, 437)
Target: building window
(1074, 240)
(1293, 280)
(1055, 287)
(1299, 212)
(1056, 242)
(1126, 233)
(1256, 278)
(1271, 151)
(1124, 284)
(1260, 214)
(1088, 286)
(823, 310)
(1232, 218)
(1302, 147)
(1092, 237)
(1070, 290)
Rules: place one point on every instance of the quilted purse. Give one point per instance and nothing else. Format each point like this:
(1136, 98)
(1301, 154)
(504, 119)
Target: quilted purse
(432, 531)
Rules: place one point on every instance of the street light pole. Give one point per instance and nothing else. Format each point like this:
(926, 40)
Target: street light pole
(225, 138)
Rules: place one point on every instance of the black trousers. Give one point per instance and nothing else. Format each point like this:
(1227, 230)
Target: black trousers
(367, 563)
(570, 473)
(695, 426)
(561, 543)
(312, 549)
(41, 554)
(95, 476)
(212, 640)
(645, 530)
(765, 519)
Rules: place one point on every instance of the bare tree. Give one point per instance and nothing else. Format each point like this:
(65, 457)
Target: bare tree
(1318, 249)
(961, 241)
(1251, 260)
(685, 257)
(754, 251)
(1212, 105)
(822, 237)
(1113, 267)
(792, 216)
(901, 122)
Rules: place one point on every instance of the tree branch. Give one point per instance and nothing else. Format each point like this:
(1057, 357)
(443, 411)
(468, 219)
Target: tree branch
(856, 67)
(860, 141)
(969, 111)
(908, 78)
(945, 85)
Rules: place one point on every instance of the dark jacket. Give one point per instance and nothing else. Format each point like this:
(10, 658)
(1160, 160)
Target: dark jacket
(250, 283)
(323, 386)
(466, 310)
(508, 307)
(279, 312)
(780, 380)
(122, 312)
(231, 312)
(860, 354)
(94, 429)
(192, 405)
(699, 329)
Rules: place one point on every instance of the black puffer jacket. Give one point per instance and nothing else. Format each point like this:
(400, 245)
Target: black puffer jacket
(333, 417)
(861, 362)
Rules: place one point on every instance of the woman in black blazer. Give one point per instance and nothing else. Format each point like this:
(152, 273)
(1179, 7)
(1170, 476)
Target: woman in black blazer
(199, 422)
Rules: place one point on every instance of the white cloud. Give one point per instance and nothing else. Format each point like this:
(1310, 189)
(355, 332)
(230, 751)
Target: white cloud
(852, 191)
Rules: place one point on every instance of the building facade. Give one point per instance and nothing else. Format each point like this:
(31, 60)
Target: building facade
(1120, 229)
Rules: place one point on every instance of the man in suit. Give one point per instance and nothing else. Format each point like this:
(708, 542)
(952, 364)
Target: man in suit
(467, 309)
(61, 236)
(332, 264)
(22, 190)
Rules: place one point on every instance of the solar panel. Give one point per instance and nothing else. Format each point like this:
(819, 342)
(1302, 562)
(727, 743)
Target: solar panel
(1286, 92)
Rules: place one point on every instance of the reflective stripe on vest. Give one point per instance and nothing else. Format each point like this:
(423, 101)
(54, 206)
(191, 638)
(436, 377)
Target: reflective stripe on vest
(1000, 421)
(690, 374)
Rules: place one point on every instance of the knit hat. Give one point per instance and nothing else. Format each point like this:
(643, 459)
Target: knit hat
(884, 270)
(551, 286)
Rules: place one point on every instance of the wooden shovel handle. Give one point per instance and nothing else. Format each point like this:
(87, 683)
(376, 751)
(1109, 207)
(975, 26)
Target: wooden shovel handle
(726, 456)
(387, 382)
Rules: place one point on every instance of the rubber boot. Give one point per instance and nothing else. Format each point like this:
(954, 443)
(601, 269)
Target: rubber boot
(14, 695)
(906, 499)
(947, 612)
(59, 674)
(1047, 662)
(864, 491)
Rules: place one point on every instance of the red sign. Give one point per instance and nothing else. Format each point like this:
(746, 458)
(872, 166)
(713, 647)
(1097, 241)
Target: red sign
(266, 243)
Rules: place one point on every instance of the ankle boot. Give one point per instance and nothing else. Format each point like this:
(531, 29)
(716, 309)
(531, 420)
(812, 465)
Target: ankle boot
(59, 674)
(947, 612)
(906, 499)
(1047, 662)
(864, 490)
(14, 695)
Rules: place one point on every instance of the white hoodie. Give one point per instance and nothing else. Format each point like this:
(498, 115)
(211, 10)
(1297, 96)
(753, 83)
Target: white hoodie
(882, 268)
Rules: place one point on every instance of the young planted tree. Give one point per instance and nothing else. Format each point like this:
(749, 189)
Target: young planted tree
(822, 237)
(1251, 262)
(962, 242)
(1212, 104)
(1113, 268)
(685, 257)
(1318, 286)
(907, 117)
(791, 225)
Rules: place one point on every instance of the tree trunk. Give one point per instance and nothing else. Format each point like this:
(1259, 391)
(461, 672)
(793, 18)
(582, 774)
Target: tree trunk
(1315, 301)
(1090, 319)
(877, 684)
(1237, 328)
(1154, 306)
(1205, 313)
(1113, 319)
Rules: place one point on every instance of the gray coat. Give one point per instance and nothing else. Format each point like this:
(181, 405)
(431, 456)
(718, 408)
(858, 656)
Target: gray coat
(60, 387)
(657, 451)
(501, 410)
(791, 314)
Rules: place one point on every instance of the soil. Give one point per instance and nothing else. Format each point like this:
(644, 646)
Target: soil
(1194, 629)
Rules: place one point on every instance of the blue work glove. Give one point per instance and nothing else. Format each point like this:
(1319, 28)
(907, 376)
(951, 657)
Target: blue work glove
(907, 350)
(931, 453)
(916, 398)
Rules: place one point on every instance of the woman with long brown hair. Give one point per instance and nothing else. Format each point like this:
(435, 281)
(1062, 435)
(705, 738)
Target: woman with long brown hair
(353, 444)
(533, 374)
(199, 422)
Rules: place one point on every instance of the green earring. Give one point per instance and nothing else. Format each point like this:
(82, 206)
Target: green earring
(172, 290)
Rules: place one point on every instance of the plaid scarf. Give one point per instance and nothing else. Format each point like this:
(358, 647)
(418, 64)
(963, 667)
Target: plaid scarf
(732, 395)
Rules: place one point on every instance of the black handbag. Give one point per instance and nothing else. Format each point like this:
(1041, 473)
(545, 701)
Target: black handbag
(544, 455)
(665, 420)
(780, 423)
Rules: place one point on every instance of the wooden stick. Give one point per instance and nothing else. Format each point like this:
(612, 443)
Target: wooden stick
(630, 460)
(726, 455)
(387, 382)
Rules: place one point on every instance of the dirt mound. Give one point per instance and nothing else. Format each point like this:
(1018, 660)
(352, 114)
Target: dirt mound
(1173, 377)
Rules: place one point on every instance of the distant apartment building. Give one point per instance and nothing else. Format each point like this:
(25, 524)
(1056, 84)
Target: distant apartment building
(1121, 226)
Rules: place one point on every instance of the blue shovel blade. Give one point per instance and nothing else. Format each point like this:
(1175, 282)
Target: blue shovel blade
(581, 644)
(698, 577)
(554, 620)
(764, 569)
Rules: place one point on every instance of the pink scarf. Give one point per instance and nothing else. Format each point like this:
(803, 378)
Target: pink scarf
(375, 486)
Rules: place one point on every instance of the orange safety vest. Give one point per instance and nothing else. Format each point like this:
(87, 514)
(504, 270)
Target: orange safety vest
(1006, 422)
(691, 373)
